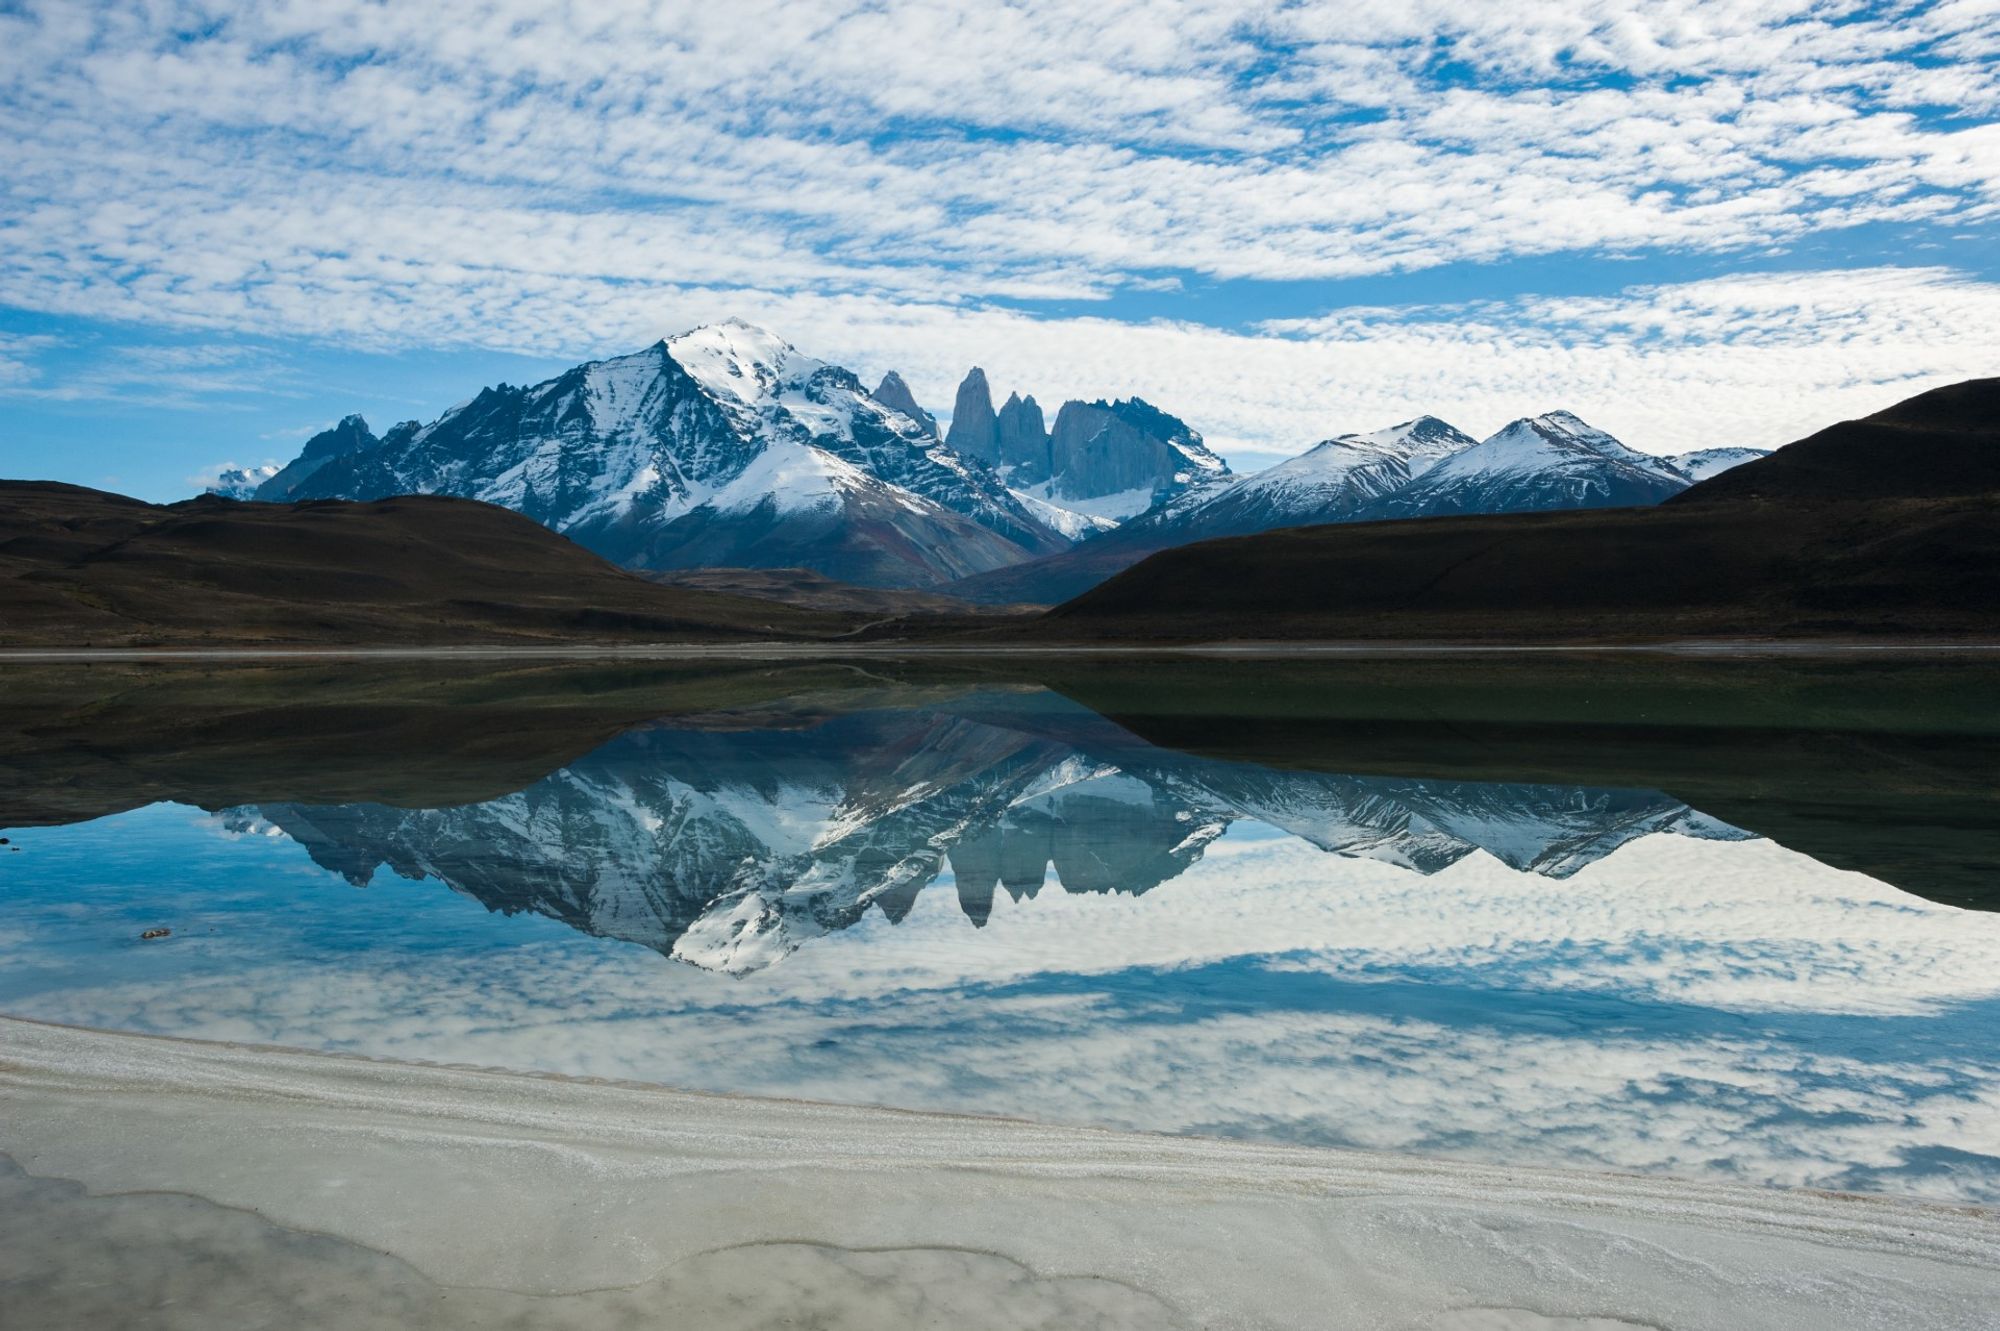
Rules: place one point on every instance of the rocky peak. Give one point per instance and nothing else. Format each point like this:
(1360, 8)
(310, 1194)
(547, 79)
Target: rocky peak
(352, 435)
(1023, 439)
(894, 394)
(974, 427)
(351, 438)
(1104, 448)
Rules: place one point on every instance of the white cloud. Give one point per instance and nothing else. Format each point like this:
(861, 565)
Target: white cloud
(19, 354)
(1758, 359)
(204, 375)
(835, 143)
(877, 180)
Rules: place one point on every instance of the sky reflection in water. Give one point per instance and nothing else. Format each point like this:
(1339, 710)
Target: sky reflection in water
(936, 909)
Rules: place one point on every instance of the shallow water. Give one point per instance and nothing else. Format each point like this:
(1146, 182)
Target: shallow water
(990, 898)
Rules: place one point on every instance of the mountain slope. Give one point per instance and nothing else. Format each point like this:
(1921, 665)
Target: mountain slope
(1535, 464)
(1775, 547)
(723, 445)
(1703, 463)
(1898, 567)
(1329, 482)
(84, 568)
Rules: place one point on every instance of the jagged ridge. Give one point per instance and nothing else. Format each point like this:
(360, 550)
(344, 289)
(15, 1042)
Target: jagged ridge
(723, 445)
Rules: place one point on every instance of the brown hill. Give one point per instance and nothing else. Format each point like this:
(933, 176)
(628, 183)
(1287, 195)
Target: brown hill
(1888, 526)
(1060, 576)
(81, 567)
(1937, 445)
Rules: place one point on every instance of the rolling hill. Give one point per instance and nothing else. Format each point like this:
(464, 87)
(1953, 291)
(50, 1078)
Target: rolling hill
(81, 567)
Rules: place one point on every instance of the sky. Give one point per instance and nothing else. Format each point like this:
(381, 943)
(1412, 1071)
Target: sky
(1693, 222)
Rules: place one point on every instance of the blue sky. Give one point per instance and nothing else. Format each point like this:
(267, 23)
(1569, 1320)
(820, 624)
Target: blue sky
(224, 225)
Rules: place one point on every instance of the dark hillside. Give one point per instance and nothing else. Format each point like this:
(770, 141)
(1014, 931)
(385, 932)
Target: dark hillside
(80, 567)
(1936, 445)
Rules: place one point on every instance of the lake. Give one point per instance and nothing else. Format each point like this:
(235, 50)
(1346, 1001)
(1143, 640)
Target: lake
(1701, 920)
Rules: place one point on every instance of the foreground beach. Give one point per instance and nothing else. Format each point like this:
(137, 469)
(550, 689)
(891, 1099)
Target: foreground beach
(164, 1182)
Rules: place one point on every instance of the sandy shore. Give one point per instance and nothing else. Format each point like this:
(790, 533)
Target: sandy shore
(224, 1185)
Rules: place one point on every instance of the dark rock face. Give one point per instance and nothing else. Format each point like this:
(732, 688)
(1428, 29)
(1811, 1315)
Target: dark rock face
(352, 435)
(893, 393)
(1097, 449)
(975, 430)
(1103, 448)
(1023, 440)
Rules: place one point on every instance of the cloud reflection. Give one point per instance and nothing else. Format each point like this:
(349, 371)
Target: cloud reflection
(1528, 974)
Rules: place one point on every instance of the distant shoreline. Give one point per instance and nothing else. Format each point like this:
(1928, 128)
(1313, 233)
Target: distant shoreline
(1717, 647)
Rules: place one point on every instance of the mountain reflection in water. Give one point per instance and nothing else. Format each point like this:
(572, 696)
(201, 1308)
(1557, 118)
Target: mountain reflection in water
(1551, 926)
(731, 849)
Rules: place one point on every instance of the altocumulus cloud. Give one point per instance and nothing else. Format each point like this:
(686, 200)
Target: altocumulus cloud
(927, 183)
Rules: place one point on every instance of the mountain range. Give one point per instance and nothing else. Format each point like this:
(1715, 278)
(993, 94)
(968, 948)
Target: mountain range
(721, 447)
(1888, 526)
(1421, 468)
(725, 447)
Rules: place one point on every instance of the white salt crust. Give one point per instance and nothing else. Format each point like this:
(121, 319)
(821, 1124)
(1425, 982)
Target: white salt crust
(227, 1185)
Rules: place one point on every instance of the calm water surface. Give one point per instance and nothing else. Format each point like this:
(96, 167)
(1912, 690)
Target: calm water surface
(993, 898)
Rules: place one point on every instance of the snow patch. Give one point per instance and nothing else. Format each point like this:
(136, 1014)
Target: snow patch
(1070, 522)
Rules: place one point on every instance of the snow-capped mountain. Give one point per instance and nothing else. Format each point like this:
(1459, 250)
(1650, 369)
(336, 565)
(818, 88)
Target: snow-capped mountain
(730, 849)
(1706, 462)
(722, 446)
(725, 446)
(1421, 468)
(1329, 482)
(893, 393)
(241, 482)
(1555, 461)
